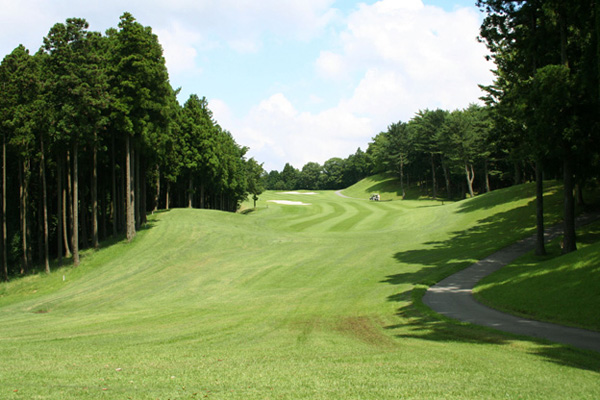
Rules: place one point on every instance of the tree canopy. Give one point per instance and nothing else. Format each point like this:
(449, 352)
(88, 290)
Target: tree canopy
(95, 131)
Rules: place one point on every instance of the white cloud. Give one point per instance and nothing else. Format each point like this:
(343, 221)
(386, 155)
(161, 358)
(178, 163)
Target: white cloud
(241, 24)
(408, 56)
(277, 132)
(179, 45)
(244, 24)
(331, 65)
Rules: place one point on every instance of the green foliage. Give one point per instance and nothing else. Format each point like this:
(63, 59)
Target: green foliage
(288, 302)
(94, 101)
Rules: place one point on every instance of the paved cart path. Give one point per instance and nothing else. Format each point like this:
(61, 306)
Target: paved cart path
(453, 297)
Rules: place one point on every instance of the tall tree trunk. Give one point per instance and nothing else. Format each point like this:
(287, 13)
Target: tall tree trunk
(167, 195)
(143, 193)
(95, 242)
(23, 172)
(122, 196)
(83, 222)
(44, 205)
(202, 200)
(470, 174)
(114, 207)
(487, 177)
(138, 197)
(569, 240)
(75, 207)
(190, 194)
(517, 177)
(447, 179)
(59, 213)
(129, 193)
(562, 22)
(434, 183)
(65, 207)
(40, 225)
(540, 248)
(4, 247)
(102, 216)
(157, 193)
(401, 177)
(70, 198)
(579, 191)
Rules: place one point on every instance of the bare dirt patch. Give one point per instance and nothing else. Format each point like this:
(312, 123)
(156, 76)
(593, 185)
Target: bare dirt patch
(364, 329)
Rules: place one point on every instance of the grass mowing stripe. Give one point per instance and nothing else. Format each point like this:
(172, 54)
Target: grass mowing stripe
(337, 212)
(245, 306)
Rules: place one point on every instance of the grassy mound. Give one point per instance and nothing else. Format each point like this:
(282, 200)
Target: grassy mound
(285, 302)
(555, 288)
(387, 186)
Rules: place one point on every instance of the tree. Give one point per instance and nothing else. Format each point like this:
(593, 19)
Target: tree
(72, 74)
(87, 103)
(333, 170)
(399, 147)
(254, 171)
(355, 168)
(531, 42)
(290, 175)
(425, 126)
(459, 133)
(141, 91)
(20, 89)
(310, 176)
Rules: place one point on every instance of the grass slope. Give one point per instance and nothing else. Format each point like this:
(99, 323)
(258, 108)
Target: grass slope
(555, 288)
(387, 186)
(285, 302)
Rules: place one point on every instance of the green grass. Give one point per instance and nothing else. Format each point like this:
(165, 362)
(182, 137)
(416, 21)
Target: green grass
(563, 289)
(284, 302)
(387, 186)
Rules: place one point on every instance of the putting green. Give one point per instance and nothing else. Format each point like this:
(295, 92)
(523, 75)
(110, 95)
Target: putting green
(288, 301)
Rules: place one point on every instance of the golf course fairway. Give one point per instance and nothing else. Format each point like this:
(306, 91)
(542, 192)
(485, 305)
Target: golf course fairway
(318, 300)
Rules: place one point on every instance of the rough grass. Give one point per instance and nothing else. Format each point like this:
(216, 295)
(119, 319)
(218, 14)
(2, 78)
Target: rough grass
(285, 302)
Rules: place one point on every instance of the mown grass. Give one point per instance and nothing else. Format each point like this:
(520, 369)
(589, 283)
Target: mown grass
(558, 288)
(387, 186)
(285, 302)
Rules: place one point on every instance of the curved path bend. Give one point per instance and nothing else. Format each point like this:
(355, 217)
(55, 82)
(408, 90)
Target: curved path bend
(339, 193)
(453, 298)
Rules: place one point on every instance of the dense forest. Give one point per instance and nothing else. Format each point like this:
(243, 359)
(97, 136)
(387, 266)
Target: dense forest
(93, 138)
(541, 118)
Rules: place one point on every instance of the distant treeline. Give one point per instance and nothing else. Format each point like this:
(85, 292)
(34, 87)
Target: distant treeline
(93, 138)
(447, 154)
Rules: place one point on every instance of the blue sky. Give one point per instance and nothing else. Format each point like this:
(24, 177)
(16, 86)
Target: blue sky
(295, 80)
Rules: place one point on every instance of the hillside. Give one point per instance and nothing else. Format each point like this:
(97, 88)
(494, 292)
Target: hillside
(387, 186)
(288, 301)
(556, 288)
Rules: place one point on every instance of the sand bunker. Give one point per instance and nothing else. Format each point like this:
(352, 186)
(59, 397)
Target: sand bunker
(298, 193)
(289, 203)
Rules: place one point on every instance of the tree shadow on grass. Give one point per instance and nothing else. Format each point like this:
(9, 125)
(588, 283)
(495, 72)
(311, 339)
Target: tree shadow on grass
(424, 324)
(392, 185)
(439, 259)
